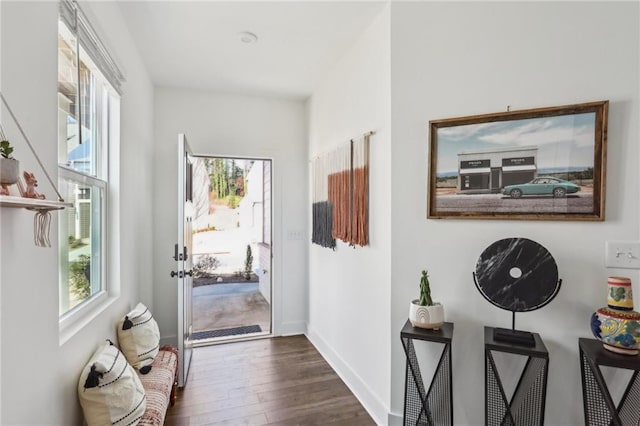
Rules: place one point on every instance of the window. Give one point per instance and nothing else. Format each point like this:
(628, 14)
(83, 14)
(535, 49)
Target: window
(88, 108)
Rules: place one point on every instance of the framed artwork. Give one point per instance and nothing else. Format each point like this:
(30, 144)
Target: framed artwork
(536, 164)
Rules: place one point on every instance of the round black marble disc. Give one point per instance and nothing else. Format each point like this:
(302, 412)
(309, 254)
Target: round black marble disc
(517, 274)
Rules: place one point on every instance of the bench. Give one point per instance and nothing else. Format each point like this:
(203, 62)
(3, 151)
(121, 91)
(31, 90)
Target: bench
(160, 386)
(119, 386)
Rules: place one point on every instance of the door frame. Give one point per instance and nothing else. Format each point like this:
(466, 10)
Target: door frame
(274, 303)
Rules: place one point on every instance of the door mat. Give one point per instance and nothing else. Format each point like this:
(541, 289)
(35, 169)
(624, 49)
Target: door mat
(210, 334)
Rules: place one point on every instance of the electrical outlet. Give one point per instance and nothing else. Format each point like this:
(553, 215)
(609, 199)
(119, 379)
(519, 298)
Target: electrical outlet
(622, 254)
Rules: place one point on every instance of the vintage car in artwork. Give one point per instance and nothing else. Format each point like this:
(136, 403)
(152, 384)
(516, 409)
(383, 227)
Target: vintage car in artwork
(542, 185)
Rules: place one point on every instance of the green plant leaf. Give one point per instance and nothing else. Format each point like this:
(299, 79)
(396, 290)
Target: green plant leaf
(6, 149)
(425, 290)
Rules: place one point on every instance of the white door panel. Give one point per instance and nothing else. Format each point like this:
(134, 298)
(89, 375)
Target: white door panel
(184, 258)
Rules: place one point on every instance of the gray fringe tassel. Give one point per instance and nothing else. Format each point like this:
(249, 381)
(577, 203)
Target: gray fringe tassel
(323, 225)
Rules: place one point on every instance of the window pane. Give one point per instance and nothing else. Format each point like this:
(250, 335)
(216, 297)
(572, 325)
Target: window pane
(79, 106)
(83, 157)
(80, 243)
(68, 132)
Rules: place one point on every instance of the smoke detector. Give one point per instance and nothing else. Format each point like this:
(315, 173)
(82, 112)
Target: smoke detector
(248, 37)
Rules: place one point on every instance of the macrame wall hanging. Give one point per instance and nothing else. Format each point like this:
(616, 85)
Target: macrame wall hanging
(322, 232)
(339, 183)
(341, 195)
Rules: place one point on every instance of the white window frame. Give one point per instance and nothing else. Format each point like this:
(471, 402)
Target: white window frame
(100, 296)
(93, 53)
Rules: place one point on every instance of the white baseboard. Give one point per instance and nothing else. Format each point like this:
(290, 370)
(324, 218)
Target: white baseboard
(292, 328)
(376, 409)
(395, 419)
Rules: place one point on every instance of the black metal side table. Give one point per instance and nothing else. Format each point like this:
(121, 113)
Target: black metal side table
(599, 408)
(527, 403)
(435, 405)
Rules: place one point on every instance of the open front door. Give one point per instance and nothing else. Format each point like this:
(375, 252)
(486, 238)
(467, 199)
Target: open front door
(183, 257)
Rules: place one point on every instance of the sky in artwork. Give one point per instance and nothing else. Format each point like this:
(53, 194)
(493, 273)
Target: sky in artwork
(563, 141)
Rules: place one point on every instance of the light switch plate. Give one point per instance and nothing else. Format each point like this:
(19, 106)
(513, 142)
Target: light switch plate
(294, 234)
(622, 254)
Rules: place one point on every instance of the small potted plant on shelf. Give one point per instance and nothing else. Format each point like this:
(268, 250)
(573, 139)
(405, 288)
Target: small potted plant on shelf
(9, 166)
(424, 312)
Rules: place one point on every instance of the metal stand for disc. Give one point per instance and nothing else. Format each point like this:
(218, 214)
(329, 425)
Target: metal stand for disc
(516, 337)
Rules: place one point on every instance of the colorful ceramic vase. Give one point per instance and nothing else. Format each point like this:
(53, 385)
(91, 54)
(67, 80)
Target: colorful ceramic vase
(618, 325)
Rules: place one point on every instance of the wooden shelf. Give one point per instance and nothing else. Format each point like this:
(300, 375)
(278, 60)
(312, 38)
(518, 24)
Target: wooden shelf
(31, 203)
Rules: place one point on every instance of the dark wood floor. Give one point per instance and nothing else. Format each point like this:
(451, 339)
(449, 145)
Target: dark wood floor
(279, 381)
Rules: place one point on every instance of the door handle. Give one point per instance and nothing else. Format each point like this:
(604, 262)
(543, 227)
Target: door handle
(190, 273)
(179, 256)
(179, 274)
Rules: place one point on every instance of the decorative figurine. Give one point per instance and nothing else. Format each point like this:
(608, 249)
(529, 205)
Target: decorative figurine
(32, 183)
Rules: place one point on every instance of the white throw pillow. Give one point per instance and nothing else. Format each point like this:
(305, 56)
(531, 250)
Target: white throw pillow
(109, 389)
(139, 338)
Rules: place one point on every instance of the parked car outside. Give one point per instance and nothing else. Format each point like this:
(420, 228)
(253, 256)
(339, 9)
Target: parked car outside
(543, 185)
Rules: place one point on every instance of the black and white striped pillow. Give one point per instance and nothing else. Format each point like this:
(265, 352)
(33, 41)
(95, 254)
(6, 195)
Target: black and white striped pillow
(139, 338)
(109, 389)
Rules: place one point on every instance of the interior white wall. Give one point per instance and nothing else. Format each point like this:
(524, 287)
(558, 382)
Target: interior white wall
(453, 59)
(40, 376)
(349, 289)
(1, 227)
(218, 124)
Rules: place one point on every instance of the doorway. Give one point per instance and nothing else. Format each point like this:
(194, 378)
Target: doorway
(232, 289)
(495, 180)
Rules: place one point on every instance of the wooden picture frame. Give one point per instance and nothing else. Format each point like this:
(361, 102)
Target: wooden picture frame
(523, 165)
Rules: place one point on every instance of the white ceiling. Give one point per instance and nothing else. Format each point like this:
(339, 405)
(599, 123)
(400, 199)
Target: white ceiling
(196, 44)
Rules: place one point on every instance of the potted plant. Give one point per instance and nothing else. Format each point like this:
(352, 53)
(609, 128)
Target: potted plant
(424, 312)
(248, 262)
(9, 166)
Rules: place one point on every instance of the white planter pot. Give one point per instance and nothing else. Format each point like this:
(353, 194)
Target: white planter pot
(426, 316)
(9, 171)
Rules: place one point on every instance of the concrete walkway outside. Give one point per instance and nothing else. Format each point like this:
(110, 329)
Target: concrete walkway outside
(220, 306)
(228, 243)
(227, 305)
